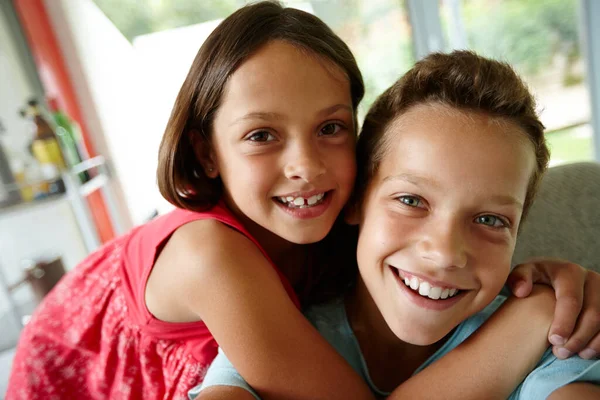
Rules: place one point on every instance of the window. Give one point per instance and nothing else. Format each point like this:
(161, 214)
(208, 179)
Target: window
(540, 39)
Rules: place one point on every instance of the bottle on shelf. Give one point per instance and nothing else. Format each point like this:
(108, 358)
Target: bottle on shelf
(43, 175)
(70, 138)
(45, 146)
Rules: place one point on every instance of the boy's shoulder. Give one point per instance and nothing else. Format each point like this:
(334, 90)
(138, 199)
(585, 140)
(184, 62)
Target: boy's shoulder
(549, 374)
(552, 373)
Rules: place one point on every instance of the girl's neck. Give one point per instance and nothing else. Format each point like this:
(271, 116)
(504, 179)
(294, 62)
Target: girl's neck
(390, 361)
(290, 258)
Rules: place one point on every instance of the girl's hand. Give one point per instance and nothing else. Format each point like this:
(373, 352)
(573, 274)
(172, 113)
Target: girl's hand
(576, 324)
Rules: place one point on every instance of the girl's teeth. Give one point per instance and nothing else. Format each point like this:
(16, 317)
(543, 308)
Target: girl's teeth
(301, 201)
(445, 293)
(424, 289)
(452, 292)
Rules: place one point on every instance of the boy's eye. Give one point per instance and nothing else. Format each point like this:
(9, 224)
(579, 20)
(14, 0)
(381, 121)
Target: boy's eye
(411, 201)
(330, 129)
(260, 136)
(491, 220)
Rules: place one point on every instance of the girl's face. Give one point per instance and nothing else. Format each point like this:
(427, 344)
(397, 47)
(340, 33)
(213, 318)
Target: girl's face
(283, 142)
(439, 220)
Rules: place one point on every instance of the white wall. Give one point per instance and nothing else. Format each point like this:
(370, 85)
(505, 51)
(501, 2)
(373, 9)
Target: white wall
(101, 65)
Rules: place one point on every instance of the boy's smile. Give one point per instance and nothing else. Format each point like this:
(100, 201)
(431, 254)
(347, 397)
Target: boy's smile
(427, 293)
(439, 219)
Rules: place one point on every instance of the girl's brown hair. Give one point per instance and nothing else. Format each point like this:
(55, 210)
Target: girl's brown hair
(465, 81)
(181, 179)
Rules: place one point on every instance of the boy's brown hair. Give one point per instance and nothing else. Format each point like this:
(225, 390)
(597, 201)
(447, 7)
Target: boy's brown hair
(181, 179)
(462, 80)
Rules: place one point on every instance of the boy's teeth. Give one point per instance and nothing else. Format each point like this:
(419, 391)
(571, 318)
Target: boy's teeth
(299, 201)
(435, 293)
(414, 283)
(312, 200)
(289, 198)
(426, 290)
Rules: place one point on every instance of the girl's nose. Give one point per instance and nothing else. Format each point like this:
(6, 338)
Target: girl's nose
(305, 163)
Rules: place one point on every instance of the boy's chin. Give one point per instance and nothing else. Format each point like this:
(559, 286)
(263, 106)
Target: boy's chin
(423, 336)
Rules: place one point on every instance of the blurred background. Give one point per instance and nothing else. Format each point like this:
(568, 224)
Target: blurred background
(87, 86)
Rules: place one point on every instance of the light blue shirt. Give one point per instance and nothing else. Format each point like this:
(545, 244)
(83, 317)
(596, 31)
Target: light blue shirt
(331, 321)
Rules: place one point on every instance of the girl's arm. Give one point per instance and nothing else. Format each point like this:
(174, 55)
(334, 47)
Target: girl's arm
(220, 276)
(225, 393)
(493, 361)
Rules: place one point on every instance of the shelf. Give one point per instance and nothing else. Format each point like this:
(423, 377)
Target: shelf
(27, 205)
(92, 185)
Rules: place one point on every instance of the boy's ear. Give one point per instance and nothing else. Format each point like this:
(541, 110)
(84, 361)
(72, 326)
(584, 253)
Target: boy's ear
(352, 214)
(204, 153)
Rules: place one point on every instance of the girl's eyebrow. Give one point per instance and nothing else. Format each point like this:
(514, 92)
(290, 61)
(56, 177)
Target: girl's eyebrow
(273, 116)
(330, 110)
(265, 116)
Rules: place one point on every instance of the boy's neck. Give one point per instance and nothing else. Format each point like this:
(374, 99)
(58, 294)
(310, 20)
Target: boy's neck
(390, 361)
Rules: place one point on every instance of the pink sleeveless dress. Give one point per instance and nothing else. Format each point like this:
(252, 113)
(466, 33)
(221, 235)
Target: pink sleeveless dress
(93, 337)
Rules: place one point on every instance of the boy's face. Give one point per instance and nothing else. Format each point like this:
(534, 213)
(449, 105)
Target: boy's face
(439, 221)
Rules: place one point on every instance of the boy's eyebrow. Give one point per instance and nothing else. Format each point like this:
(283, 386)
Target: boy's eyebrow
(411, 178)
(270, 116)
(504, 200)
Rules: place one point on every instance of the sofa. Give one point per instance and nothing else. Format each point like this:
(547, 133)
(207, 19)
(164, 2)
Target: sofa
(564, 220)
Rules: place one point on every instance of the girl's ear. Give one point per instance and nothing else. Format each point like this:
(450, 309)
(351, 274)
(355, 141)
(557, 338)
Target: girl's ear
(352, 213)
(204, 153)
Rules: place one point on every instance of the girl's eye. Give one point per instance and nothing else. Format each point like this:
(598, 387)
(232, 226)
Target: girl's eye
(260, 137)
(330, 129)
(411, 201)
(492, 221)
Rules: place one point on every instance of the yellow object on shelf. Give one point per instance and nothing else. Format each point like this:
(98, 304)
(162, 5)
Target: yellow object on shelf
(47, 151)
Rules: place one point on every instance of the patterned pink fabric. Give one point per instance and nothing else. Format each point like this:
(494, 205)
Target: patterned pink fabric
(93, 337)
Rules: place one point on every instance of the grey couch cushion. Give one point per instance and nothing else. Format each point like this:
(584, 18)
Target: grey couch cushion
(564, 220)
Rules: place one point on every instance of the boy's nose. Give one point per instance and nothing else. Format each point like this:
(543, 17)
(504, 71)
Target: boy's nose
(444, 245)
(304, 164)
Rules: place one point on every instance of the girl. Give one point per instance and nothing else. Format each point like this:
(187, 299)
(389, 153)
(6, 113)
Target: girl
(258, 156)
(449, 160)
